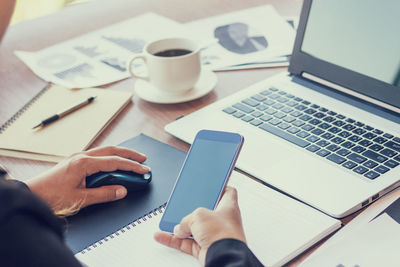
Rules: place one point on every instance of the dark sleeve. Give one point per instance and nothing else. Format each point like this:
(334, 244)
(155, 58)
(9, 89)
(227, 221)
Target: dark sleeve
(30, 234)
(231, 253)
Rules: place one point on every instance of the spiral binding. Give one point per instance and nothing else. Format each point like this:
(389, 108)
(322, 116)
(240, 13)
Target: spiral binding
(126, 228)
(23, 109)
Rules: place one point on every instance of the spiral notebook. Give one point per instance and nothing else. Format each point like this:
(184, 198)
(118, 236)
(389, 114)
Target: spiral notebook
(278, 228)
(70, 134)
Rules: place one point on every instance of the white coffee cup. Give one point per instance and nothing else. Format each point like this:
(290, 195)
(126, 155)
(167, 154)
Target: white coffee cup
(169, 72)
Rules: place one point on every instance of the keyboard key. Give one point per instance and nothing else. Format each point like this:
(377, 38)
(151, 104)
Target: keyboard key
(292, 104)
(332, 147)
(335, 158)
(359, 124)
(388, 136)
(314, 121)
(337, 140)
(317, 131)
(284, 125)
(323, 109)
(266, 92)
(282, 93)
(229, 110)
(376, 147)
(278, 106)
(369, 135)
(332, 113)
(313, 148)
(350, 120)
(327, 136)
(380, 140)
(287, 110)
(256, 122)
(349, 165)
(334, 130)
(305, 102)
(280, 133)
(319, 115)
(298, 123)
(329, 119)
(393, 145)
(258, 98)
(339, 123)
(377, 131)
(310, 111)
(344, 134)
(324, 126)
(269, 102)
(374, 156)
(303, 134)
(251, 102)
(313, 138)
(289, 119)
(358, 149)
(360, 170)
(359, 131)
(298, 99)
(274, 121)
(266, 118)
(349, 127)
(347, 144)
(388, 152)
(368, 128)
(300, 107)
(262, 107)
(289, 96)
(323, 153)
(293, 130)
(381, 169)
(365, 143)
(396, 139)
(355, 138)
(323, 143)
(282, 100)
(280, 115)
(275, 96)
(243, 108)
(238, 114)
(397, 158)
(371, 175)
(307, 127)
(340, 116)
(257, 114)
(343, 152)
(370, 164)
(314, 106)
(296, 113)
(273, 89)
(247, 118)
(270, 111)
(357, 158)
(391, 163)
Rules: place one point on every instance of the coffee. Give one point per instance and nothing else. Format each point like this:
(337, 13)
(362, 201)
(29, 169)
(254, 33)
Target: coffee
(173, 53)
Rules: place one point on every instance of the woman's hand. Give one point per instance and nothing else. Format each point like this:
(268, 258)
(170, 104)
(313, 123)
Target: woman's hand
(63, 187)
(206, 227)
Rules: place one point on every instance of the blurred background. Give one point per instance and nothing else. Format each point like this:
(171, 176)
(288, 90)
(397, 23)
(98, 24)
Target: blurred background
(29, 9)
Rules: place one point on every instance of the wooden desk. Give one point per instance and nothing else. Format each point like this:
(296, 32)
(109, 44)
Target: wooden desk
(18, 84)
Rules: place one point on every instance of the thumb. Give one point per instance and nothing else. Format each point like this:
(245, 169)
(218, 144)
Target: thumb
(229, 199)
(104, 194)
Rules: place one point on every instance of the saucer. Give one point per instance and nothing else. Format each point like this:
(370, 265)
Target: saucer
(204, 85)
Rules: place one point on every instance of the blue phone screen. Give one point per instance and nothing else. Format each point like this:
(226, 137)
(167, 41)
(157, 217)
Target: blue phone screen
(201, 179)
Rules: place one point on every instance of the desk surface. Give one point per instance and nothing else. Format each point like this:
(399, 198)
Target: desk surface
(18, 84)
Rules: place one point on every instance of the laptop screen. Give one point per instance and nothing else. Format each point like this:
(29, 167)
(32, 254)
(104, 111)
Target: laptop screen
(351, 43)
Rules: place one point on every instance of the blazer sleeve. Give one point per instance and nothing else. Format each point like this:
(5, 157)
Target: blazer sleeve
(30, 234)
(230, 253)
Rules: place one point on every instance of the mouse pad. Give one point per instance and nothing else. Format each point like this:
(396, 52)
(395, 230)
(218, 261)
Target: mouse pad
(94, 223)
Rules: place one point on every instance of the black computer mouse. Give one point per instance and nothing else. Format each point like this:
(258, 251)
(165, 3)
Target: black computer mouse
(130, 180)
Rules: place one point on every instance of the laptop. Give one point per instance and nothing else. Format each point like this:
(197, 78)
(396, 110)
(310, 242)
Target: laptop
(327, 132)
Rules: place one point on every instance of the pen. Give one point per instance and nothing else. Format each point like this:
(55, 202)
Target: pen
(65, 112)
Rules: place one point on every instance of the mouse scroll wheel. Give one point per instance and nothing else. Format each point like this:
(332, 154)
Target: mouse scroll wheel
(146, 176)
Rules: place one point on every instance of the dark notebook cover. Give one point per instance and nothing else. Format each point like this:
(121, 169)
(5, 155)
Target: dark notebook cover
(96, 222)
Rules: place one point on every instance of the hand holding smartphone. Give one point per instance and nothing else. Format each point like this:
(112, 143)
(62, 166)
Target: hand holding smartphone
(203, 177)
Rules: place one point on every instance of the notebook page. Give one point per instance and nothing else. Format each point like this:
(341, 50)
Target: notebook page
(277, 229)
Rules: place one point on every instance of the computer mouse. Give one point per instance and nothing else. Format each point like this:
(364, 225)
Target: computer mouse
(130, 180)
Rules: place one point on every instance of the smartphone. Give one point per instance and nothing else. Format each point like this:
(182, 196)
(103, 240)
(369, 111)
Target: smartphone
(203, 176)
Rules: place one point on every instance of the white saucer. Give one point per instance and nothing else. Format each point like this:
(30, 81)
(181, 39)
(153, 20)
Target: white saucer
(204, 85)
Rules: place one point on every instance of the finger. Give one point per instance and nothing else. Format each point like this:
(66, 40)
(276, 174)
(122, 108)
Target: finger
(103, 194)
(111, 163)
(183, 230)
(229, 199)
(187, 246)
(116, 151)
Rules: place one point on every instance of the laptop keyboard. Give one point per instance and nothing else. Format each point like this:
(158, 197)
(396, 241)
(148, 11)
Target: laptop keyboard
(351, 144)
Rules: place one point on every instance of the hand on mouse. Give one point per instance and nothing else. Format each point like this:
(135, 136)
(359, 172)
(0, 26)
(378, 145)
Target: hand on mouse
(63, 187)
(206, 227)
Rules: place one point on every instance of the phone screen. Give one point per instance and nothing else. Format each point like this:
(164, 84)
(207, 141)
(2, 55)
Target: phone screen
(203, 176)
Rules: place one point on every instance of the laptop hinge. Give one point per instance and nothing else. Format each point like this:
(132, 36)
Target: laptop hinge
(350, 92)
